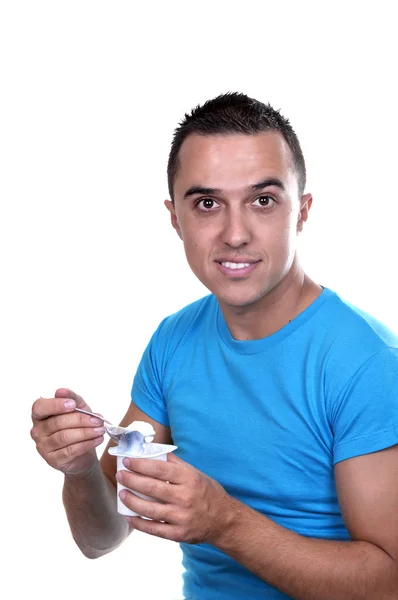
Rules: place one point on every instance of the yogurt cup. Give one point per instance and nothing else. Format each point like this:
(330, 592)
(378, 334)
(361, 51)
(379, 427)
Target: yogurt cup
(149, 452)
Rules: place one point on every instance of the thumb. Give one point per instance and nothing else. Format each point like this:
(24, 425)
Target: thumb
(67, 393)
(171, 457)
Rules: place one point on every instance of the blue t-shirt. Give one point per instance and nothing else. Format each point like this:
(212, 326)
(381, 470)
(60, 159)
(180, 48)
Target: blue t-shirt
(269, 418)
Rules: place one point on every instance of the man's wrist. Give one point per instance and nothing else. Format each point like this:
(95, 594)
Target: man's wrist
(229, 523)
(84, 473)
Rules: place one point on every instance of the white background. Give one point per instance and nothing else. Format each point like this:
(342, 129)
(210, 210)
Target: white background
(90, 95)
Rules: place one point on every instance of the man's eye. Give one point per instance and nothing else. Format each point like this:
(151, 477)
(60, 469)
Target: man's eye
(206, 203)
(264, 201)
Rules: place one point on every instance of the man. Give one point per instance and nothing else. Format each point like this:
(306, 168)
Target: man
(281, 397)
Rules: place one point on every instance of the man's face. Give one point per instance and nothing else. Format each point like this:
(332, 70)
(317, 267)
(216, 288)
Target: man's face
(238, 211)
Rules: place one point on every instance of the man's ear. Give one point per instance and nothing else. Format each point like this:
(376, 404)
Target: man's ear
(305, 203)
(173, 217)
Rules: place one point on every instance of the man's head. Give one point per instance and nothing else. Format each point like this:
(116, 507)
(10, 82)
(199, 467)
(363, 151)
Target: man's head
(236, 177)
(234, 113)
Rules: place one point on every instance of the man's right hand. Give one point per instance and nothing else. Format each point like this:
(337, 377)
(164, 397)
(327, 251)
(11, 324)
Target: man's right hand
(66, 439)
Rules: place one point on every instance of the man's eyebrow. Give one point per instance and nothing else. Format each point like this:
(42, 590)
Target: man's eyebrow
(267, 183)
(270, 181)
(198, 189)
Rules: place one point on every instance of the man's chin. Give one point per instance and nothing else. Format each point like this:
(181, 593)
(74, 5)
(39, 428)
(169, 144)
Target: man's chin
(239, 302)
(240, 295)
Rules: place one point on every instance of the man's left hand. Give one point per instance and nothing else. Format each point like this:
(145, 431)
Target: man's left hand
(188, 505)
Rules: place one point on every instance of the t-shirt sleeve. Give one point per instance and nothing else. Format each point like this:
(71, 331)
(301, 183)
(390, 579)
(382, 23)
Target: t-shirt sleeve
(147, 391)
(365, 415)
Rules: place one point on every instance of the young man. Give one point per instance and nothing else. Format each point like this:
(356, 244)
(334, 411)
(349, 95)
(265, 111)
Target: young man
(281, 398)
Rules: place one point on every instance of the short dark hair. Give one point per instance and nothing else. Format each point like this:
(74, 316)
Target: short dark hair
(234, 113)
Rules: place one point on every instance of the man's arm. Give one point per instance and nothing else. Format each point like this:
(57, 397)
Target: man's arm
(67, 441)
(90, 506)
(365, 568)
(90, 501)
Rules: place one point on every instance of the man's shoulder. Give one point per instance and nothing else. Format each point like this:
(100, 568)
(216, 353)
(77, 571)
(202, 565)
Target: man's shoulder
(351, 323)
(348, 341)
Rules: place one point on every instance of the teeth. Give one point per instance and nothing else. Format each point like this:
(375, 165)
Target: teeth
(232, 265)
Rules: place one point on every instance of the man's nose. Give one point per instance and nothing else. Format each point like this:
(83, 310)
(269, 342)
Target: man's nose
(236, 231)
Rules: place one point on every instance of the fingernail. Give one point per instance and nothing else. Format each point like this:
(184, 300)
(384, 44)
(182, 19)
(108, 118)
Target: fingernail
(126, 462)
(96, 421)
(118, 476)
(70, 404)
(99, 430)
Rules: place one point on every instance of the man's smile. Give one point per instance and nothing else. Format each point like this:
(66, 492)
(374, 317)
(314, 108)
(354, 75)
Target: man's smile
(237, 269)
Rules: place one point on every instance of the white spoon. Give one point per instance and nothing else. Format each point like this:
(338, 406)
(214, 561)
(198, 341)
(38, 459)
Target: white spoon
(115, 431)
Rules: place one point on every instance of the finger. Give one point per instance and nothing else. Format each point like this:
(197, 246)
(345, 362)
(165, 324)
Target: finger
(71, 420)
(157, 511)
(176, 460)
(70, 437)
(47, 407)
(69, 453)
(159, 469)
(160, 530)
(155, 488)
(47, 427)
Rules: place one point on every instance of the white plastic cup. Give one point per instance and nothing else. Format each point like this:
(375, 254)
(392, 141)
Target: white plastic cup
(122, 508)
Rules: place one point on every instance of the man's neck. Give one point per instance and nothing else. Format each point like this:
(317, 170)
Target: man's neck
(275, 310)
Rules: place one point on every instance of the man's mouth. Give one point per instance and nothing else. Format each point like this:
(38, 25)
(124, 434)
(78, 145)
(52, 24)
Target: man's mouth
(234, 268)
(235, 265)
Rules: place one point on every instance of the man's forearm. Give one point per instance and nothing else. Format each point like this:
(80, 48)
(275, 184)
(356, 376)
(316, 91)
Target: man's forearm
(307, 568)
(90, 505)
